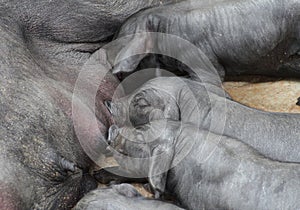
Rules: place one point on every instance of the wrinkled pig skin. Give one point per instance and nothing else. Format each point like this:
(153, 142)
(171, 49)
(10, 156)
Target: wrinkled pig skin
(43, 47)
(239, 37)
(275, 135)
(232, 176)
(120, 197)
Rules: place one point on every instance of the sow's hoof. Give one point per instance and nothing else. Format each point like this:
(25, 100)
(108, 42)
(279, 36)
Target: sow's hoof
(120, 197)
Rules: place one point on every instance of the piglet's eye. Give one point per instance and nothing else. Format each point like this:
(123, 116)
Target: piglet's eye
(142, 102)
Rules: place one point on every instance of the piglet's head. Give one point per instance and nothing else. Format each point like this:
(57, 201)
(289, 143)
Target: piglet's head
(147, 150)
(142, 107)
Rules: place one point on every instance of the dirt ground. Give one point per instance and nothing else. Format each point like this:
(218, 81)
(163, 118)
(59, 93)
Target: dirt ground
(276, 95)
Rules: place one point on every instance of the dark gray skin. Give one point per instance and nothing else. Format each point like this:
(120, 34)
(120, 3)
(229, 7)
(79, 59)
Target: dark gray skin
(239, 37)
(234, 176)
(275, 135)
(43, 47)
(120, 197)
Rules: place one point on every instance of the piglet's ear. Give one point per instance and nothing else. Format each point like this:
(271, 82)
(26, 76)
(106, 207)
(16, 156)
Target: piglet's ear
(126, 190)
(161, 161)
(156, 114)
(113, 132)
(172, 110)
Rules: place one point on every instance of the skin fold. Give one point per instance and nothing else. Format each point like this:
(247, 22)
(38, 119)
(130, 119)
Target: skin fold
(44, 45)
(233, 176)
